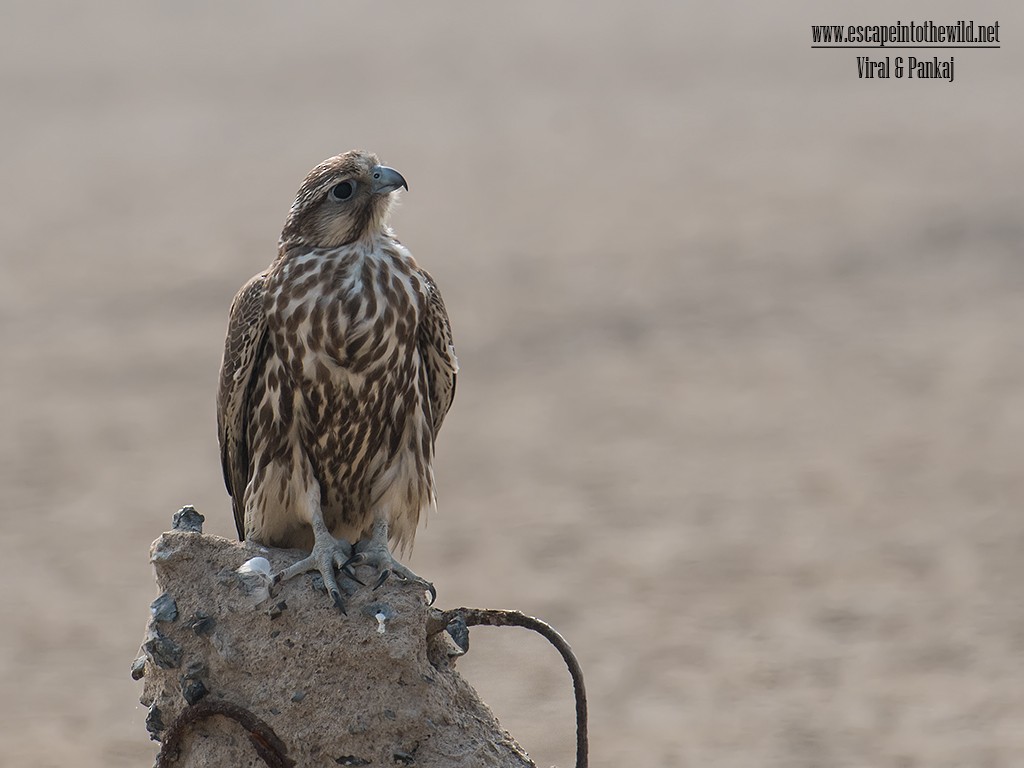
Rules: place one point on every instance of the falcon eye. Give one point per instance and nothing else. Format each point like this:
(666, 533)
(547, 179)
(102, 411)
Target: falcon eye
(343, 191)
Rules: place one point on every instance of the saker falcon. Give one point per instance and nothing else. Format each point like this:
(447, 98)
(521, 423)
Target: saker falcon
(338, 371)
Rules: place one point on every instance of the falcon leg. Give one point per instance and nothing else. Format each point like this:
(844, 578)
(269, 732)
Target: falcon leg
(328, 553)
(374, 552)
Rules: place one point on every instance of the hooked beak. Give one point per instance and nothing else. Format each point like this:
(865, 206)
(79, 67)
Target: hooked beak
(386, 180)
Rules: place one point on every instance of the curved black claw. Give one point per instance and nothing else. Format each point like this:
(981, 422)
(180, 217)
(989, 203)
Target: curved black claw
(389, 566)
(408, 579)
(347, 570)
(338, 602)
(381, 579)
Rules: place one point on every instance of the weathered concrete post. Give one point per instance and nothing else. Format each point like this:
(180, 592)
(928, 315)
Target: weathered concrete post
(237, 677)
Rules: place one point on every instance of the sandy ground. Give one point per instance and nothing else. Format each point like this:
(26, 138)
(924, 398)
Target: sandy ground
(742, 392)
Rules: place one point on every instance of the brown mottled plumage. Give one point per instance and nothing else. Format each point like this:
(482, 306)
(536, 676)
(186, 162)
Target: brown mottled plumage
(338, 371)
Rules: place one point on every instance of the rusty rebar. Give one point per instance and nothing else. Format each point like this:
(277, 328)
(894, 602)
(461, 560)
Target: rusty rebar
(499, 618)
(267, 744)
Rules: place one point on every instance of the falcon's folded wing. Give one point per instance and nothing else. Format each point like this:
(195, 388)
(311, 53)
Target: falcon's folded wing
(244, 350)
(437, 354)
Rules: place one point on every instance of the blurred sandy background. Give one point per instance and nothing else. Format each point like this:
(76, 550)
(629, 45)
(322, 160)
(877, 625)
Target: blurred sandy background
(742, 392)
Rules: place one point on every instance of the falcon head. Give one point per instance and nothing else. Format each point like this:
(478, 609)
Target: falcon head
(342, 200)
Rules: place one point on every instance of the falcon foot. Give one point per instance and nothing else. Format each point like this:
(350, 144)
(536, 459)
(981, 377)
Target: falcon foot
(328, 553)
(375, 554)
